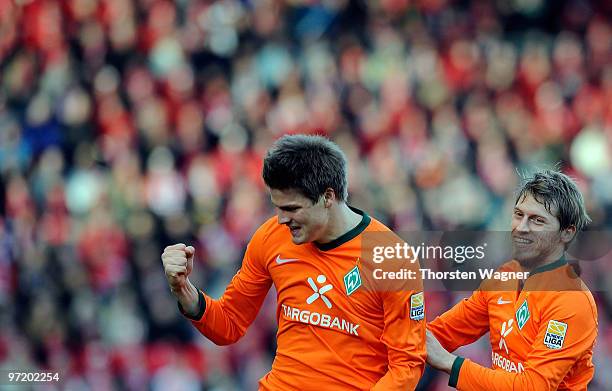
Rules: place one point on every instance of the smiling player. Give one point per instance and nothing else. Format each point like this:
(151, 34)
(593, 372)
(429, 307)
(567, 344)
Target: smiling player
(542, 330)
(332, 333)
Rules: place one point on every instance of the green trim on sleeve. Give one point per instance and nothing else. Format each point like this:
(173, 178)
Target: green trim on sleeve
(454, 374)
(201, 306)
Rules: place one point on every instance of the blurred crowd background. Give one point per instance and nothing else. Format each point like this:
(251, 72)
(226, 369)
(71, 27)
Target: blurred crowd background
(128, 125)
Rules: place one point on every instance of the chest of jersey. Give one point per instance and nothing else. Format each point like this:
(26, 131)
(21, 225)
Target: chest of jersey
(324, 290)
(514, 321)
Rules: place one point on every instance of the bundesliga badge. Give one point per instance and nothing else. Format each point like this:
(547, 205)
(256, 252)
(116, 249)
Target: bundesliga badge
(555, 334)
(417, 306)
(522, 315)
(352, 280)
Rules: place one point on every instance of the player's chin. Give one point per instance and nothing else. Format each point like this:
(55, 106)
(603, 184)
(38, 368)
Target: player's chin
(521, 253)
(298, 237)
(525, 260)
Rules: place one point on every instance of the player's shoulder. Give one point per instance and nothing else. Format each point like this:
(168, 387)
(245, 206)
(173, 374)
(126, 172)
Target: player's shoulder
(558, 283)
(570, 302)
(576, 304)
(270, 230)
(376, 226)
(379, 235)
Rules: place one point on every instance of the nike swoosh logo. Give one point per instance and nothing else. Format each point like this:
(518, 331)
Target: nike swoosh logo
(280, 260)
(501, 301)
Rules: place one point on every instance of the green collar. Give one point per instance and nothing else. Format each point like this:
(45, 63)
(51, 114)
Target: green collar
(549, 266)
(365, 221)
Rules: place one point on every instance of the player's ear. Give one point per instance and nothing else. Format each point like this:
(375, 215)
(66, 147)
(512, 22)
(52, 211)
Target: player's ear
(329, 197)
(568, 234)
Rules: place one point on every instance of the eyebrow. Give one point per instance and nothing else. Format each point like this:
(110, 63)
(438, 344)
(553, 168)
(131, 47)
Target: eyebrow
(516, 208)
(286, 207)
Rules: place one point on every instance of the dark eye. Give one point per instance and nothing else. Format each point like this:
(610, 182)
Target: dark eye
(518, 213)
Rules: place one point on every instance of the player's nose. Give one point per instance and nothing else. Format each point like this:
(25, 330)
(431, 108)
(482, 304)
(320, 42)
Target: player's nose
(282, 218)
(523, 225)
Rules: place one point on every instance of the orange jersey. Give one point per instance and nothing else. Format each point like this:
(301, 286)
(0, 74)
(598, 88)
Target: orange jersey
(542, 336)
(332, 333)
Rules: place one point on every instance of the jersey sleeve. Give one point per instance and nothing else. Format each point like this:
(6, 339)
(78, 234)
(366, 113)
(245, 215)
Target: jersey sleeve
(567, 333)
(463, 324)
(404, 336)
(225, 320)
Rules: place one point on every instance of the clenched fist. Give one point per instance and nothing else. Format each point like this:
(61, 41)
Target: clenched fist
(178, 263)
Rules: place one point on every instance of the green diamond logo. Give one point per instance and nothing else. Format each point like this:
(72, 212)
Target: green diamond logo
(522, 315)
(352, 280)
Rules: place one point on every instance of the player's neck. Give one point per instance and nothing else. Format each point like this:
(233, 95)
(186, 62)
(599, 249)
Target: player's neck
(553, 257)
(341, 221)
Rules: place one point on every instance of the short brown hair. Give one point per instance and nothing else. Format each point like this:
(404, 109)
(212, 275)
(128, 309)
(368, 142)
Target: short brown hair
(309, 164)
(559, 195)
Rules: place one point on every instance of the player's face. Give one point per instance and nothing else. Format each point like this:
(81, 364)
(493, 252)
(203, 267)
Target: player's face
(306, 221)
(535, 233)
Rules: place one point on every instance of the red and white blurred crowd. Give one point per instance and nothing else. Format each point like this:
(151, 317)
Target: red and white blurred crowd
(128, 125)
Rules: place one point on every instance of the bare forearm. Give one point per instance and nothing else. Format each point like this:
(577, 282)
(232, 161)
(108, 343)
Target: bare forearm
(446, 362)
(187, 296)
(437, 356)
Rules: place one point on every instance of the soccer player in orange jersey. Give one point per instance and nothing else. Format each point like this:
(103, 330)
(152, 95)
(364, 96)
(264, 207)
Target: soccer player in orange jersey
(332, 333)
(542, 329)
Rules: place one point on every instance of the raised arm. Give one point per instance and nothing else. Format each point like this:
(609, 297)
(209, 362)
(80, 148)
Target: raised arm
(225, 320)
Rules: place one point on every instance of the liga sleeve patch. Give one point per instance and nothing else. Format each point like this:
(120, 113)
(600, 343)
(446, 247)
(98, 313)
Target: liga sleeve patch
(417, 306)
(555, 334)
